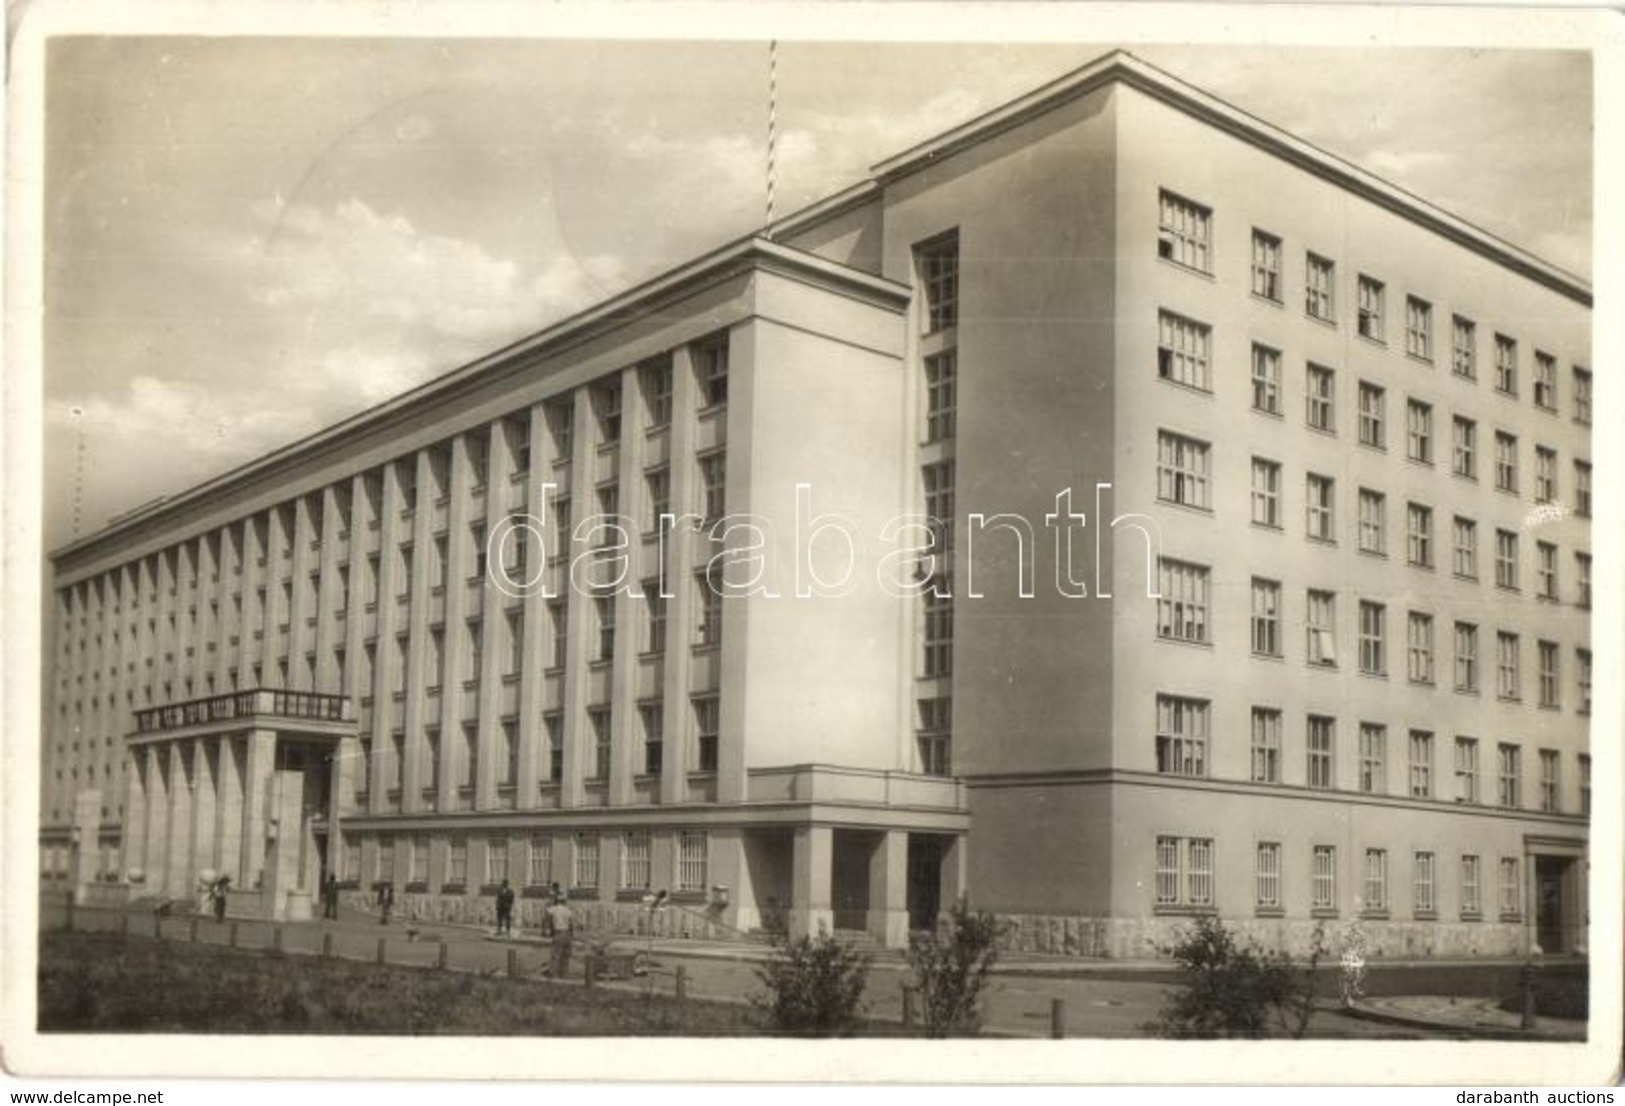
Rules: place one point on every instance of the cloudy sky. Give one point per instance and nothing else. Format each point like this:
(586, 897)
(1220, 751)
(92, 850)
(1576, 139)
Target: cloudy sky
(248, 239)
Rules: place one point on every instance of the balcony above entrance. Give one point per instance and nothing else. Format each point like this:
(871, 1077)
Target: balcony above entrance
(268, 708)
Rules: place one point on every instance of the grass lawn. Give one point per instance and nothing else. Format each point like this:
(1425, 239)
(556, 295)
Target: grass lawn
(91, 982)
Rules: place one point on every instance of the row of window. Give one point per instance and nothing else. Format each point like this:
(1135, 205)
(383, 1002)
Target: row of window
(406, 859)
(1183, 743)
(1185, 879)
(1185, 237)
(937, 269)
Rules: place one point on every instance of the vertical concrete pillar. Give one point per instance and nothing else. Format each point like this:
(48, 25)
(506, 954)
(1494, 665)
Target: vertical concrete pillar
(811, 870)
(85, 848)
(954, 882)
(887, 918)
(157, 819)
(205, 842)
(178, 873)
(731, 869)
(259, 755)
(135, 815)
(228, 808)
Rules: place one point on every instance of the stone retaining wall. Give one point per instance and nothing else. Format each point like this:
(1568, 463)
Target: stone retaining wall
(623, 919)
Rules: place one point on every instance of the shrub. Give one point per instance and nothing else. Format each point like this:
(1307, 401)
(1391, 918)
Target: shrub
(814, 986)
(1230, 989)
(951, 966)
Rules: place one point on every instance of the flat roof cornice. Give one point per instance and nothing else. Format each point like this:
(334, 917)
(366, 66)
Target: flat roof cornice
(1123, 67)
(727, 262)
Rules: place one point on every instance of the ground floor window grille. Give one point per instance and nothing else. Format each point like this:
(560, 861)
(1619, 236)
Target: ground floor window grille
(586, 869)
(635, 869)
(1324, 887)
(496, 860)
(1424, 883)
(1184, 871)
(541, 861)
(693, 860)
(1376, 880)
(1269, 875)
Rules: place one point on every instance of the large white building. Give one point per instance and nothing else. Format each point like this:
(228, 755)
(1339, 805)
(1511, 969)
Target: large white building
(1113, 334)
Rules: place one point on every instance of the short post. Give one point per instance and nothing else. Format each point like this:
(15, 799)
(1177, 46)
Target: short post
(682, 983)
(445, 954)
(327, 946)
(68, 896)
(231, 935)
(589, 970)
(380, 950)
(908, 1006)
(191, 930)
(157, 925)
(513, 963)
(1526, 985)
(276, 938)
(1057, 1018)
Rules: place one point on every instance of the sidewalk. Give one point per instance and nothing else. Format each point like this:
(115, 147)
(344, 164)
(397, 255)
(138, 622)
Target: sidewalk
(1477, 1017)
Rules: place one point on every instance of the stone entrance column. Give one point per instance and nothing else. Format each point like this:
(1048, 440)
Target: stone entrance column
(259, 753)
(887, 919)
(811, 871)
(157, 829)
(229, 808)
(178, 873)
(205, 854)
(135, 814)
(953, 872)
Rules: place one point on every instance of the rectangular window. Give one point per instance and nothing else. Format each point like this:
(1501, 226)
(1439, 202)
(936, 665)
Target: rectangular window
(1582, 661)
(1318, 288)
(417, 859)
(1582, 577)
(655, 379)
(1582, 488)
(693, 860)
(1184, 874)
(1419, 534)
(937, 481)
(1510, 898)
(937, 656)
(1464, 348)
(1585, 785)
(709, 586)
(1545, 381)
(1419, 432)
(713, 486)
(706, 724)
(1266, 493)
(560, 417)
(1418, 328)
(1376, 881)
(1506, 559)
(1466, 657)
(386, 859)
(1545, 475)
(1267, 870)
(457, 862)
(1464, 550)
(934, 735)
(941, 395)
(1266, 380)
(654, 609)
(651, 719)
(1321, 623)
(1464, 440)
(496, 860)
(1471, 903)
(599, 721)
(938, 264)
(1421, 764)
(1419, 647)
(1320, 745)
(604, 610)
(1184, 232)
(1182, 470)
(1321, 398)
(553, 725)
(558, 618)
(1183, 351)
(1550, 784)
(1373, 416)
(1373, 758)
(1373, 638)
(710, 358)
(540, 861)
(1506, 365)
(1506, 462)
(1266, 266)
(1422, 884)
(1320, 506)
(1550, 677)
(637, 872)
(1266, 617)
(1510, 758)
(1466, 770)
(586, 862)
(1323, 871)
(1373, 520)
(1546, 569)
(1182, 610)
(1266, 745)
(1582, 396)
(1372, 296)
(1182, 735)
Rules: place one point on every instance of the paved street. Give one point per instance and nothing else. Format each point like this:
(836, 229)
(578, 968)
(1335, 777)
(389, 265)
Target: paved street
(1019, 1005)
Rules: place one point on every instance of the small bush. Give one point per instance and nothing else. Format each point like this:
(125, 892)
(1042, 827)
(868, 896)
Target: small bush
(951, 967)
(1229, 989)
(814, 986)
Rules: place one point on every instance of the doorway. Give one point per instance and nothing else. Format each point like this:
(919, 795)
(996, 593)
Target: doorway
(1553, 915)
(924, 880)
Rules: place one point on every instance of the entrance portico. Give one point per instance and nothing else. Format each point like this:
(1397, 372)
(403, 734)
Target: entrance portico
(233, 785)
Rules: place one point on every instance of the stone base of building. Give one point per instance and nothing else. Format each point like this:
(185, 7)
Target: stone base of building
(607, 918)
(1154, 937)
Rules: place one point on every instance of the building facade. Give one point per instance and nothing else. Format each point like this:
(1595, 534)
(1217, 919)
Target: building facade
(1114, 508)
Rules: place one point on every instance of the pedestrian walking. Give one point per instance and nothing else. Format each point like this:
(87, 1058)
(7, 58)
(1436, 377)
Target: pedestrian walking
(505, 909)
(562, 922)
(218, 894)
(386, 901)
(330, 896)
